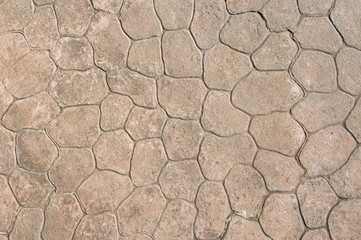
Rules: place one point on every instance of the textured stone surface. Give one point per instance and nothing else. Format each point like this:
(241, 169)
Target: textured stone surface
(174, 14)
(11, 20)
(5, 98)
(315, 7)
(7, 151)
(114, 109)
(236, 6)
(112, 6)
(318, 234)
(240, 228)
(28, 224)
(8, 205)
(349, 68)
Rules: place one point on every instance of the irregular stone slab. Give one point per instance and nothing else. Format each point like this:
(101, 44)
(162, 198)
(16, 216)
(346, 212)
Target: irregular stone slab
(174, 14)
(34, 112)
(28, 224)
(15, 14)
(213, 210)
(344, 220)
(244, 32)
(349, 74)
(327, 150)
(71, 168)
(42, 31)
(318, 33)
(220, 117)
(224, 67)
(181, 56)
(347, 18)
(182, 138)
(8, 205)
(7, 151)
(240, 228)
(134, 14)
(346, 181)
(281, 173)
(82, 87)
(62, 216)
(219, 154)
(112, 6)
(141, 211)
(115, 156)
(73, 16)
(75, 127)
(317, 234)
(5, 98)
(181, 179)
(209, 17)
(265, 92)
(315, 7)
(43, 2)
(278, 132)
(114, 109)
(276, 53)
(139, 236)
(316, 71)
(142, 90)
(145, 123)
(147, 162)
(145, 57)
(108, 40)
(35, 151)
(182, 98)
(280, 218)
(236, 6)
(30, 189)
(30, 75)
(102, 226)
(103, 191)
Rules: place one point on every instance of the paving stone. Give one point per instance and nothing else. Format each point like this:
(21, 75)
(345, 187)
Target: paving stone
(181, 179)
(236, 6)
(209, 17)
(103, 191)
(147, 162)
(43, 2)
(141, 211)
(346, 182)
(220, 117)
(276, 53)
(30, 74)
(3, 237)
(327, 150)
(71, 168)
(318, 33)
(281, 173)
(344, 220)
(137, 237)
(316, 71)
(35, 151)
(73, 16)
(108, 40)
(240, 228)
(75, 127)
(278, 132)
(346, 16)
(142, 90)
(7, 151)
(8, 205)
(5, 99)
(145, 123)
(34, 112)
(174, 14)
(177, 221)
(316, 199)
(112, 6)
(134, 14)
(182, 138)
(114, 109)
(42, 31)
(15, 14)
(62, 216)
(28, 224)
(318, 110)
(145, 57)
(115, 156)
(102, 226)
(181, 56)
(315, 7)
(30, 189)
(265, 92)
(244, 32)
(318, 234)
(224, 67)
(213, 211)
(349, 74)
(281, 218)
(219, 154)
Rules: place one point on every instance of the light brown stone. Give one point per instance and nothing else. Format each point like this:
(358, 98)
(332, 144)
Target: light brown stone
(5, 98)
(8, 205)
(15, 14)
(327, 150)
(349, 70)
(139, 236)
(71, 168)
(240, 228)
(219, 154)
(318, 234)
(43, 2)
(278, 132)
(104, 191)
(35, 151)
(112, 6)
(174, 14)
(28, 224)
(236, 6)
(7, 151)
(315, 7)
(281, 173)
(114, 109)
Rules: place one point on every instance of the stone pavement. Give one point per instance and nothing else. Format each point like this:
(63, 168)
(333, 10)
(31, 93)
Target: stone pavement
(180, 119)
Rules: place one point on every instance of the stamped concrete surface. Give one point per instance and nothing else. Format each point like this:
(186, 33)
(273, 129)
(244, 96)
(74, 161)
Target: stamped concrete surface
(180, 119)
